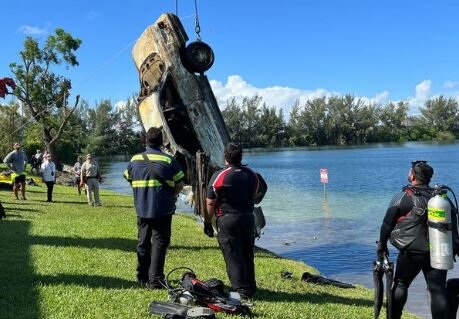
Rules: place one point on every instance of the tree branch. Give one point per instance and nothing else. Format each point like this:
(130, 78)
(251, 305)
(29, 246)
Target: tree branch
(65, 120)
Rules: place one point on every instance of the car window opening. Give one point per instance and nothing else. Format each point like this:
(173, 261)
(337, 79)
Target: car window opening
(178, 119)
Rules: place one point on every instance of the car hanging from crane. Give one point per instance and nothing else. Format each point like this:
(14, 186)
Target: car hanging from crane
(176, 96)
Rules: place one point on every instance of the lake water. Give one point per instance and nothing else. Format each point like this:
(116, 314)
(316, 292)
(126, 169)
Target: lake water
(336, 232)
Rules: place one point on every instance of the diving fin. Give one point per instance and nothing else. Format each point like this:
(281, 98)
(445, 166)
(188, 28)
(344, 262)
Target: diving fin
(318, 279)
(171, 310)
(168, 310)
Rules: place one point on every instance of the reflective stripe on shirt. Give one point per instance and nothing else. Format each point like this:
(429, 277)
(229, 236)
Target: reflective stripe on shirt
(150, 183)
(178, 176)
(152, 157)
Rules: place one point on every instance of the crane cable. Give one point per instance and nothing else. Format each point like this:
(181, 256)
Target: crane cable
(197, 27)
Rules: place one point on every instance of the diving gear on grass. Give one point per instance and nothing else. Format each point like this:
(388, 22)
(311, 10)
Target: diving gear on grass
(169, 310)
(317, 279)
(210, 293)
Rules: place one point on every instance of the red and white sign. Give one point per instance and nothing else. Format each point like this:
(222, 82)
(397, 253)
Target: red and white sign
(324, 175)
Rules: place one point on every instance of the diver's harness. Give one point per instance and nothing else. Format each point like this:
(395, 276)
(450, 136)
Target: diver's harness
(415, 223)
(210, 295)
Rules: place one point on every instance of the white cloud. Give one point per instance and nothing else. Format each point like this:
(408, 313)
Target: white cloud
(279, 96)
(33, 31)
(120, 104)
(91, 15)
(379, 99)
(422, 95)
(450, 84)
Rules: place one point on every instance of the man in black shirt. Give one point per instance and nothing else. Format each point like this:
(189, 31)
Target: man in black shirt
(405, 224)
(230, 197)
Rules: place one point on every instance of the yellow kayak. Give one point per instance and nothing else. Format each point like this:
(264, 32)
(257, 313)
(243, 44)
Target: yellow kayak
(6, 179)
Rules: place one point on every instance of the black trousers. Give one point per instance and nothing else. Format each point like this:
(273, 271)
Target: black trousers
(408, 267)
(50, 186)
(154, 236)
(236, 240)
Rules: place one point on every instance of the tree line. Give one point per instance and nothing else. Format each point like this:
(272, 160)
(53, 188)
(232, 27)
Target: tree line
(339, 120)
(100, 129)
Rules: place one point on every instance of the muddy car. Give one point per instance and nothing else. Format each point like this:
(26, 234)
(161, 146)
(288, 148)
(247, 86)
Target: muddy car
(176, 96)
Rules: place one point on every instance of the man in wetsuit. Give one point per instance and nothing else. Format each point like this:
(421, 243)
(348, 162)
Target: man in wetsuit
(230, 197)
(405, 224)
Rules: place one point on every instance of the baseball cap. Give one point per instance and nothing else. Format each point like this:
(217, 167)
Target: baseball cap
(422, 171)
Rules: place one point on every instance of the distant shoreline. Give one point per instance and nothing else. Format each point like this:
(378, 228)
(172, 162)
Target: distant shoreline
(347, 147)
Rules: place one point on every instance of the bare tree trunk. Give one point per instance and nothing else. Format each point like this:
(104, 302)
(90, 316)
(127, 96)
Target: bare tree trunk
(49, 144)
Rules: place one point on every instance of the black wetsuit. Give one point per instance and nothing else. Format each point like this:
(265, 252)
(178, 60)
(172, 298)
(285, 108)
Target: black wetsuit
(415, 256)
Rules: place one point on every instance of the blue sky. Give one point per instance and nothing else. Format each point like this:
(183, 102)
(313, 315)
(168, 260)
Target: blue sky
(282, 50)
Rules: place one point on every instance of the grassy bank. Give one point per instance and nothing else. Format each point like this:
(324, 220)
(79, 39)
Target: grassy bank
(68, 260)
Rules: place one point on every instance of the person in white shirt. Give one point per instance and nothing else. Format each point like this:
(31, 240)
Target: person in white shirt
(48, 171)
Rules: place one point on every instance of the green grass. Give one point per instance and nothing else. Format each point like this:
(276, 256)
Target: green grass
(69, 260)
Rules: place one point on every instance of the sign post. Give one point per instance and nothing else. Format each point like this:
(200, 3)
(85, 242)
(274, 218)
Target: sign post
(324, 179)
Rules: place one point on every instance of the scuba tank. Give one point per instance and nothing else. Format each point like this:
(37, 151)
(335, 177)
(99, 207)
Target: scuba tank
(440, 230)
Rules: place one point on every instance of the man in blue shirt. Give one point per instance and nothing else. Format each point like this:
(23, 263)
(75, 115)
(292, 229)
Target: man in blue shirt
(156, 180)
(17, 161)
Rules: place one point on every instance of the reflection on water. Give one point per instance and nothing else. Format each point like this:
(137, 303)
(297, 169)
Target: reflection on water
(337, 233)
(326, 208)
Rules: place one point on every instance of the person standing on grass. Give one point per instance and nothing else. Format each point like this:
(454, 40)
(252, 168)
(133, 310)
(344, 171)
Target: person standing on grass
(36, 162)
(405, 225)
(156, 180)
(77, 172)
(91, 178)
(230, 197)
(48, 171)
(17, 161)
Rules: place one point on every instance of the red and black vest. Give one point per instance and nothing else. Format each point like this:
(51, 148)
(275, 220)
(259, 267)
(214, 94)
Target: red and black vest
(411, 231)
